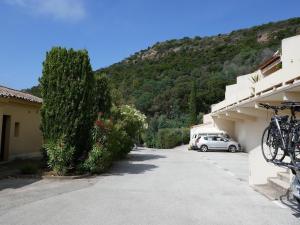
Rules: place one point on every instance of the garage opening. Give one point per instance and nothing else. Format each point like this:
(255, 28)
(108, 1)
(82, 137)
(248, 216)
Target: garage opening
(5, 130)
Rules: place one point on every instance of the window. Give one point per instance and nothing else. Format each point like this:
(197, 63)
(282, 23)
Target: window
(214, 138)
(17, 129)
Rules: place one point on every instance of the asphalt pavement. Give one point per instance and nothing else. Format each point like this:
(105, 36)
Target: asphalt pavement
(152, 186)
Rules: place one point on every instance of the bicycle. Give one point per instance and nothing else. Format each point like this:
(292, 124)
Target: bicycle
(282, 136)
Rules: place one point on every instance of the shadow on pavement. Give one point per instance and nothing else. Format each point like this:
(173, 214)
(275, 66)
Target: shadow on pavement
(131, 165)
(122, 168)
(14, 183)
(143, 157)
(291, 203)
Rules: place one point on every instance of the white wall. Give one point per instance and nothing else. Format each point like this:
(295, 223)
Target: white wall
(225, 125)
(291, 53)
(248, 134)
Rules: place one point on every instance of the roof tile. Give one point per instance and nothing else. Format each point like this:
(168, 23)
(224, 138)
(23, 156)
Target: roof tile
(11, 93)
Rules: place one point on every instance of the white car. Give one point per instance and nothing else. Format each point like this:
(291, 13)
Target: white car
(205, 143)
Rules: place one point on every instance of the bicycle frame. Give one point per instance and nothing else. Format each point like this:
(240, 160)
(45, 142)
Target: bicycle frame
(280, 132)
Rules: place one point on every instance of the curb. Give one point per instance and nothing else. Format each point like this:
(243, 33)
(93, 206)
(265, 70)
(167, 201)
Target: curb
(51, 177)
(45, 177)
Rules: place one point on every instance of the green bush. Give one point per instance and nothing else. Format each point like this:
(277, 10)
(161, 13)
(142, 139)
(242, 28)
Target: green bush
(118, 133)
(59, 155)
(98, 160)
(128, 125)
(67, 84)
(170, 138)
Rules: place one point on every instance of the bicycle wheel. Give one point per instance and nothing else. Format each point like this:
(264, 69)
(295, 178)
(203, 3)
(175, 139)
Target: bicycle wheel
(269, 144)
(296, 153)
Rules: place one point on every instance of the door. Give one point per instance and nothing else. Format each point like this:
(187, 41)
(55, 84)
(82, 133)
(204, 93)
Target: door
(222, 144)
(5, 130)
(219, 143)
(212, 142)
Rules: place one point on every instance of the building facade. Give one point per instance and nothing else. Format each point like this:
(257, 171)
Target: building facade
(239, 115)
(20, 134)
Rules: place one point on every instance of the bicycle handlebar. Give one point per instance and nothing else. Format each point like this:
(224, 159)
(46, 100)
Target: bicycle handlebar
(274, 107)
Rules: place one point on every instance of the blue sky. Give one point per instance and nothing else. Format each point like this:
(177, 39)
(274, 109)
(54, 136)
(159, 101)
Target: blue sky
(114, 29)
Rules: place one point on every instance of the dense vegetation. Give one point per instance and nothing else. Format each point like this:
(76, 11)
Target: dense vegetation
(159, 79)
(73, 97)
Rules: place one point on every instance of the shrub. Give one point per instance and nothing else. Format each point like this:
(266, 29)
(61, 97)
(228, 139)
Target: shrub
(118, 133)
(29, 168)
(170, 138)
(119, 142)
(59, 155)
(98, 160)
(128, 125)
(67, 86)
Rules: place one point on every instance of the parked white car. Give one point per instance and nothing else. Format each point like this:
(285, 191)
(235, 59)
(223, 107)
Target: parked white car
(205, 143)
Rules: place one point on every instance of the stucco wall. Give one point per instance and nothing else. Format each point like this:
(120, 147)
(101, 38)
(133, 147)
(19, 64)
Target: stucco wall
(29, 140)
(248, 134)
(290, 53)
(225, 125)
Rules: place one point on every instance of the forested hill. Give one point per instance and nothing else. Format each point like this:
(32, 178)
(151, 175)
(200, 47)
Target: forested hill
(158, 80)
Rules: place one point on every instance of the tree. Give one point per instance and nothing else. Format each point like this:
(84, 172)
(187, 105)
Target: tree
(67, 84)
(193, 104)
(102, 94)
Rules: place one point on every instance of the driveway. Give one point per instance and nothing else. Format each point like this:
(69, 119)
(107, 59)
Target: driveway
(151, 187)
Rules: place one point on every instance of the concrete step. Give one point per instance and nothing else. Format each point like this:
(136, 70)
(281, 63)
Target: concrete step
(278, 184)
(284, 176)
(268, 191)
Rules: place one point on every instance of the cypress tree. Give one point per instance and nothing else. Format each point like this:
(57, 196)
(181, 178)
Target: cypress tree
(193, 105)
(67, 90)
(102, 95)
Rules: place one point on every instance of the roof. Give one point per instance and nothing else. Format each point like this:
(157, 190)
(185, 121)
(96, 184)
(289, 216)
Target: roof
(6, 92)
(269, 61)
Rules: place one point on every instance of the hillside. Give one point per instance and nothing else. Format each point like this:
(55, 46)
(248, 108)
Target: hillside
(158, 79)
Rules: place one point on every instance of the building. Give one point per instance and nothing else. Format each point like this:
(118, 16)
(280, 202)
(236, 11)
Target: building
(20, 134)
(276, 80)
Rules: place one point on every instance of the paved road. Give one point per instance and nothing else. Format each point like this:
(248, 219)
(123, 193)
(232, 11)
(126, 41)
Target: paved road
(151, 187)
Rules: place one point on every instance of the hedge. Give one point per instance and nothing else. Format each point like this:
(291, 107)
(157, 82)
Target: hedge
(172, 137)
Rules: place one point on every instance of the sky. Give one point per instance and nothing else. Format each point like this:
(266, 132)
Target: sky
(112, 30)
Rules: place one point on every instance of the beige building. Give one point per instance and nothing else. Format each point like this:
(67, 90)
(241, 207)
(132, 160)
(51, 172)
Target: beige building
(276, 80)
(20, 134)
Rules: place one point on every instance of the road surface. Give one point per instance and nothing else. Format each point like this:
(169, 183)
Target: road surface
(151, 187)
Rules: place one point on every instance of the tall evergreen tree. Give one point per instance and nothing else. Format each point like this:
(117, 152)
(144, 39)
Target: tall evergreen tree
(193, 104)
(67, 86)
(102, 94)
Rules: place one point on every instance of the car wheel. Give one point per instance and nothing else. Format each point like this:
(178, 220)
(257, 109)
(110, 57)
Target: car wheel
(204, 148)
(232, 148)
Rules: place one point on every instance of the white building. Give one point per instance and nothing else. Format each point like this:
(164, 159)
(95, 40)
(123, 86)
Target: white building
(276, 80)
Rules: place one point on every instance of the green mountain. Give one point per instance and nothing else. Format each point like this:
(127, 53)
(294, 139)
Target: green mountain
(158, 80)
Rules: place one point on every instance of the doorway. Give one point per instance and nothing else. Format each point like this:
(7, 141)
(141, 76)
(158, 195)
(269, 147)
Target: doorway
(5, 131)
